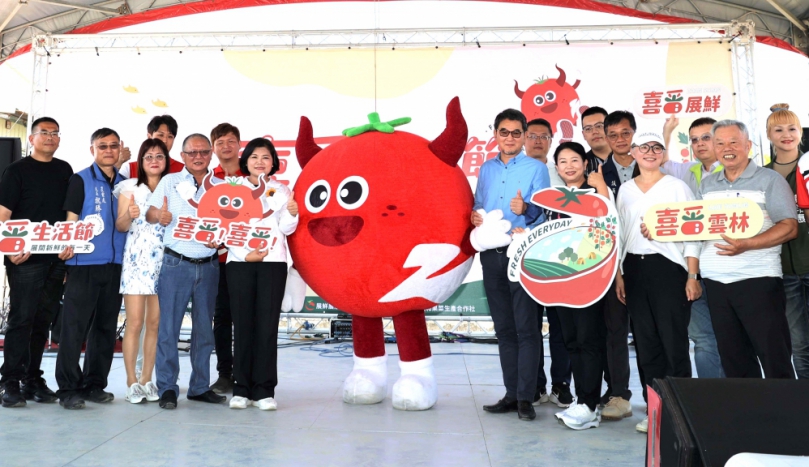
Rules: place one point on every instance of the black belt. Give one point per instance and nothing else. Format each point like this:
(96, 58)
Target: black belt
(204, 260)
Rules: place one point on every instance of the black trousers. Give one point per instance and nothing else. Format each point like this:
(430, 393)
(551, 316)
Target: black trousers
(256, 292)
(616, 318)
(560, 361)
(750, 323)
(515, 315)
(585, 334)
(91, 308)
(660, 311)
(35, 290)
(223, 326)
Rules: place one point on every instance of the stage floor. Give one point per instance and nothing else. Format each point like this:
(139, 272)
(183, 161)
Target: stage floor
(314, 427)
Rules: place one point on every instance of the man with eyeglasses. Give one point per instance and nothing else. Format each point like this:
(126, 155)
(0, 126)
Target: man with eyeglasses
(32, 188)
(190, 271)
(226, 144)
(507, 182)
(164, 128)
(92, 302)
(592, 121)
(617, 168)
(700, 329)
(538, 140)
(744, 276)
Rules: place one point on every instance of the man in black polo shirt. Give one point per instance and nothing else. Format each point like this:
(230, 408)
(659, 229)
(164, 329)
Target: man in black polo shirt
(33, 188)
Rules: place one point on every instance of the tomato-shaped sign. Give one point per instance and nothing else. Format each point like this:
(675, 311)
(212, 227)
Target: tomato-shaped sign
(568, 262)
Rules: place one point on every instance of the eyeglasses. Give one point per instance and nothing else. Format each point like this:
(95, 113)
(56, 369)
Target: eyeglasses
(111, 147)
(156, 157)
(645, 148)
(504, 133)
(591, 128)
(623, 135)
(704, 138)
(542, 137)
(200, 153)
(45, 134)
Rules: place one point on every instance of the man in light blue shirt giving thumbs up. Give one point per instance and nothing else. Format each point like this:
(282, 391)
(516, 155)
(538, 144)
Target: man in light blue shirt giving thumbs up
(507, 182)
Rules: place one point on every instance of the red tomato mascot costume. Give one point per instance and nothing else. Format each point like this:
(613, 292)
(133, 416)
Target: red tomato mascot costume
(384, 230)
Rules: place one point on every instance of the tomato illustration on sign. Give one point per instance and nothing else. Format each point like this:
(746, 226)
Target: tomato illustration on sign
(673, 104)
(231, 201)
(572, 201)
(13, 241)
(569, 262)
(259, 240)
(554, 100)
(206, 233)
(692, 224)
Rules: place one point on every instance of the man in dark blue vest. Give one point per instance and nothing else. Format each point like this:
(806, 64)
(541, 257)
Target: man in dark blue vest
(92, 302)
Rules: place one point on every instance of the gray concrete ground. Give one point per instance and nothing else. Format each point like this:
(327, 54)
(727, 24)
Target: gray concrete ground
(314, 427)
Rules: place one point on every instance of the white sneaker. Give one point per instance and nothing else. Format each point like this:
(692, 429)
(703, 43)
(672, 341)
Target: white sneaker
(643, 426)
(151, 392)
(580, 417)
(561, 414)
(266, 404)
(135, 394)
(541, 399)
(239, 402)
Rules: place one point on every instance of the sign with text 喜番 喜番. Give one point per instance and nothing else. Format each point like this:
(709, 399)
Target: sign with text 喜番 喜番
(698, 220)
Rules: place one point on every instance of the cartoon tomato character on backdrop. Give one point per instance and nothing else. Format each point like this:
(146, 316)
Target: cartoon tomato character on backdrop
(572, 265)
(555, 101)
(231, 201)
(384, 230)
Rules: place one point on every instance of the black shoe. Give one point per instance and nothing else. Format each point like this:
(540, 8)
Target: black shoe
(168, 400)
(560, 395)
(72, 402)
(39, 391)
(525, 410)
(98, 395)
(504, 405)
(12, 396)
(540, 397)
(223, 385)
(209, 397)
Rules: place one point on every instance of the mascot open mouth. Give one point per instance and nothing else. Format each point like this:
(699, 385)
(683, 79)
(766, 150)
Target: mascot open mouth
(336, 230)
(228, 213)
(550, 108)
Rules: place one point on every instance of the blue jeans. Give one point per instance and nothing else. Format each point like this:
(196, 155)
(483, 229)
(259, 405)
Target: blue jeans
(179, 282)
(700, 330)
(797, 292)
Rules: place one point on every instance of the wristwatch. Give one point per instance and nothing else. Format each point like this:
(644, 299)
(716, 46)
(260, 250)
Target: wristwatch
(692, 276)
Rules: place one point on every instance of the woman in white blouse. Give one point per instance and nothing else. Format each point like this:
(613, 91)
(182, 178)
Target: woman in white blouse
(256, 281)
(657, 280)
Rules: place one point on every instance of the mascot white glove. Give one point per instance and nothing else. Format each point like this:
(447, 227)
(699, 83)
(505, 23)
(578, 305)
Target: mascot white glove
(294, 292)
(186, 190)
(492, 233)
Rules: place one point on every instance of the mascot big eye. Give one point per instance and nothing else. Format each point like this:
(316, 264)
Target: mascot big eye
(384, 230)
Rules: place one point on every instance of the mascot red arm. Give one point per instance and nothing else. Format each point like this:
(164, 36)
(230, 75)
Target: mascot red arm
(384, 230)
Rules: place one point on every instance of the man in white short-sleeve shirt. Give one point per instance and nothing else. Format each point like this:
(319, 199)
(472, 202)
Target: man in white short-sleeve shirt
(743, 276)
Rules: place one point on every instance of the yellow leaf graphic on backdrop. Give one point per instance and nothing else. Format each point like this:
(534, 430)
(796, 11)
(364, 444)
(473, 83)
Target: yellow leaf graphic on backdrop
(131, 89)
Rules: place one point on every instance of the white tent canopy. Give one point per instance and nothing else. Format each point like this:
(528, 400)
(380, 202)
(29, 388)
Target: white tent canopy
(787, 20)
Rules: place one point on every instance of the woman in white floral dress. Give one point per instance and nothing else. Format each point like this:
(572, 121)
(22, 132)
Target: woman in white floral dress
(143, 255)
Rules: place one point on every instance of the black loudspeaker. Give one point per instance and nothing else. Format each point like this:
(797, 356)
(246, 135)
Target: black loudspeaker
(10, 151)
(705, 422)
